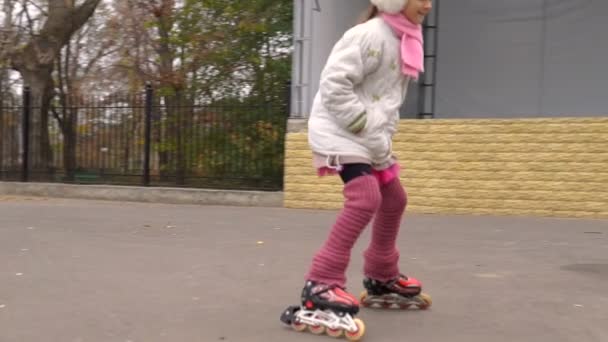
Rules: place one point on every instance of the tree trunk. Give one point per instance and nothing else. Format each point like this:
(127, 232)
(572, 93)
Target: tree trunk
(69, 138)
(7, 8)
(166, 54)
(41, 85)
(2, 133)
(67, 121)
(35, 62)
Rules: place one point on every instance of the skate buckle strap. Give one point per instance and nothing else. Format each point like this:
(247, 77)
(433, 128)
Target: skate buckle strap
(401, 277)
(326, 288)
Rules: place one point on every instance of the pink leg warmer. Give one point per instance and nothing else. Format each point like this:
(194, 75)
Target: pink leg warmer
(362, 200)
(382, 256)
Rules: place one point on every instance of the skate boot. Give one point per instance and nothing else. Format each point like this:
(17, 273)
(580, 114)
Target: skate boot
(400, 293)
(326, 309)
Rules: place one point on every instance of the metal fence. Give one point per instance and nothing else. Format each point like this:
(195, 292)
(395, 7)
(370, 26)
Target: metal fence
(143, 139)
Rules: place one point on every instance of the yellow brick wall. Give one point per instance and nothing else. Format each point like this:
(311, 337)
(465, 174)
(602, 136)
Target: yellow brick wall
(543, 167)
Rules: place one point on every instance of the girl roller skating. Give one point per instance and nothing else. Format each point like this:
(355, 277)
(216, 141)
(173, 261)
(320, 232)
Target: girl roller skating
(354, 116)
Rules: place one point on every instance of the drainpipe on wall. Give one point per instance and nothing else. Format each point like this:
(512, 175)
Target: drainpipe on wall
(301, 64)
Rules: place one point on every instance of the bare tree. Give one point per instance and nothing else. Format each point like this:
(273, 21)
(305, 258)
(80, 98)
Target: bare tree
(35, 61)
(5, 124)
(5, 38)
(77, 65)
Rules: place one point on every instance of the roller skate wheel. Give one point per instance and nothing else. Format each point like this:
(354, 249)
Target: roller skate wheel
(404, 306)
(299, 327)
(316, 329)
(427, 301)
(357, 334)
(334, 332)
(363, 299)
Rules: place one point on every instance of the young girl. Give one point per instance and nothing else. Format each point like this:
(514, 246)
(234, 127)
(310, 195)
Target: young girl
(354, 116)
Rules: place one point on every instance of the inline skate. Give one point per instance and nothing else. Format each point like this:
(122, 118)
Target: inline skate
(326, 309)
(400, 293)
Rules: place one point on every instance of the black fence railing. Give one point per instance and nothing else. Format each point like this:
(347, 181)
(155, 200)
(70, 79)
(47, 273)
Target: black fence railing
(143, 139)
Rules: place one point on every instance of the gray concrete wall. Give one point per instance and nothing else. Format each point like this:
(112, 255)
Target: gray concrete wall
(516, 58)
(522, 58)
(318, 24)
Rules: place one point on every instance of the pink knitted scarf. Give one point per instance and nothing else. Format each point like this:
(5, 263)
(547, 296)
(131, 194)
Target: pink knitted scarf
(412, 51)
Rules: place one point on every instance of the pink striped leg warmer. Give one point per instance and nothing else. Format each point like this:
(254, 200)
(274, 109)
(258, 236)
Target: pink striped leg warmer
(382, 256)
(362, 200)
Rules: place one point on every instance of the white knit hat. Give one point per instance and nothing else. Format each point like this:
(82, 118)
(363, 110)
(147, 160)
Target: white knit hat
(390, 6)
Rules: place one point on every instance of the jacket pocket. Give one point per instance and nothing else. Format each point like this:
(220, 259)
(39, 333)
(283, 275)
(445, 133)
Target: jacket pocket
(374, 135)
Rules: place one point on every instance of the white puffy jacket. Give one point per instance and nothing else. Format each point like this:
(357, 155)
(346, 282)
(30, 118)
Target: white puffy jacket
(356, 110)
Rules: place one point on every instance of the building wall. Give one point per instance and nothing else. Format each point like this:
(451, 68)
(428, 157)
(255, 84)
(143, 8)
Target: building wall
(547, 167)
(521, 58)
(522, 124)
(501, 59)
(318, 24)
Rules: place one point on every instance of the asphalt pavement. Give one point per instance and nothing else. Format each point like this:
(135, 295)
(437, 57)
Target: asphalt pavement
(95, 271)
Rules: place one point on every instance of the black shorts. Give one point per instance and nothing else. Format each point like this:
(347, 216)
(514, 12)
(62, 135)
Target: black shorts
(352, 171)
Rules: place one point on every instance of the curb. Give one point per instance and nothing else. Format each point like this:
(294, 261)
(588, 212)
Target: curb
(144, 194)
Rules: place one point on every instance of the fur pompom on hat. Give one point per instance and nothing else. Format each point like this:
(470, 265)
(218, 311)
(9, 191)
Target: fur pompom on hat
(390, 6)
